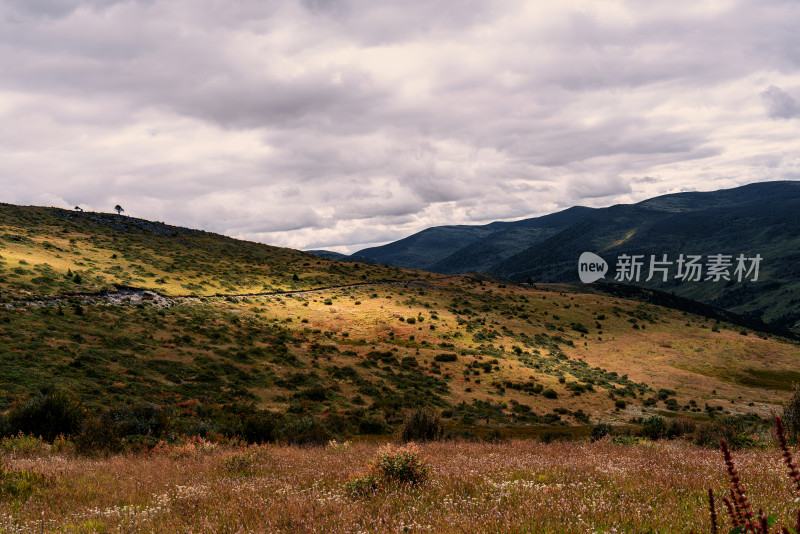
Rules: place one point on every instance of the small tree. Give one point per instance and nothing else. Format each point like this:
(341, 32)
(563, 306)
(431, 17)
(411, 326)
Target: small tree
(118, 209)
(791, 412)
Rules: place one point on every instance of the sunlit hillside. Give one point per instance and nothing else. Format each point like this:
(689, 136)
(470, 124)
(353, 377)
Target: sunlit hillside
(285, 337)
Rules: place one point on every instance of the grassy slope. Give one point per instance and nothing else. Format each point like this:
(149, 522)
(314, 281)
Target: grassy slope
(345, 351)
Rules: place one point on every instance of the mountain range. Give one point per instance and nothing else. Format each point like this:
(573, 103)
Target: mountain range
(757, 219)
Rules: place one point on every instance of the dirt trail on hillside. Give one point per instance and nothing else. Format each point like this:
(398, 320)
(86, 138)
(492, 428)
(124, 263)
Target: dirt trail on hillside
(124, 295)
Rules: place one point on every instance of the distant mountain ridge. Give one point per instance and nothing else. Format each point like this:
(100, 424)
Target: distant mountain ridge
(761, 218)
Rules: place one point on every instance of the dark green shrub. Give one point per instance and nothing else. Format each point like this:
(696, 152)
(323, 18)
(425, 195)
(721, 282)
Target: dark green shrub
(663, 393)
(315, 393)
(680, 426)
(371, 425)
(421, 425)
(409, 361)
(51, 412)
(580, 416)
(551, 436)
(305, 431)
(142, 419)
(599, 431)
(550, 393)
(734, 430)
(260, 427)
(114, 429)
(97, 435)
(654, 427)
(447, 357)
(241, 464)
(578, 327)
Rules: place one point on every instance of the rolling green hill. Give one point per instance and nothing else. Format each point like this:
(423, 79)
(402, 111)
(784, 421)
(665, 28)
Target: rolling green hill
(120, 311)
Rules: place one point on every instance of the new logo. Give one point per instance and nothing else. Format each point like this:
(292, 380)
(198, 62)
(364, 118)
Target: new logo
(591, 267)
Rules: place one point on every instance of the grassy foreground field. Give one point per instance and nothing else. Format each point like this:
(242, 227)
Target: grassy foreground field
(520, 486)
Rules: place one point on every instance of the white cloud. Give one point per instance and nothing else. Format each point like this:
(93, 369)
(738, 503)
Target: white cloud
(345, 123)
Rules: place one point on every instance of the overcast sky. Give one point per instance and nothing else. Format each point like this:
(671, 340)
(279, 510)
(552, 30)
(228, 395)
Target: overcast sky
(340, 124)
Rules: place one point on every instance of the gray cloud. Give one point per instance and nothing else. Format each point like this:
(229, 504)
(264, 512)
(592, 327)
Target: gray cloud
(55, 9)
(599, 187)
(779, 104)
(345, 123)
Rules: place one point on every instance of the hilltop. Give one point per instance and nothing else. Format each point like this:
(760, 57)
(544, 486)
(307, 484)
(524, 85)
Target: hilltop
(119, 311)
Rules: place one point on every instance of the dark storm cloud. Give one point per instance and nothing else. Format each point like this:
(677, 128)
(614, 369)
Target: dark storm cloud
(329, 123)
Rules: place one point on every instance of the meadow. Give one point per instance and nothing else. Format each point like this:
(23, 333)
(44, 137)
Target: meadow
(517, 486)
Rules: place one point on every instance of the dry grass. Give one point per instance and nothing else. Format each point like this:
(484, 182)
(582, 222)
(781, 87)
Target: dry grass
(520, 486)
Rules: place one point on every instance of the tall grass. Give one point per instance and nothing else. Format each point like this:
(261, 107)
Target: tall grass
(737, 504)
(518, 486)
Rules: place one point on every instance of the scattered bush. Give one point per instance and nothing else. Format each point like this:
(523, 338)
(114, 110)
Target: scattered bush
(421, 425)
(654, 427)
(305, 431)
(733, 430)
(600, 431)
(259, 427)
(135, 426)
(681, 426)
(52, 412)
(240, 463)
(391, 466)
(401, 465)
